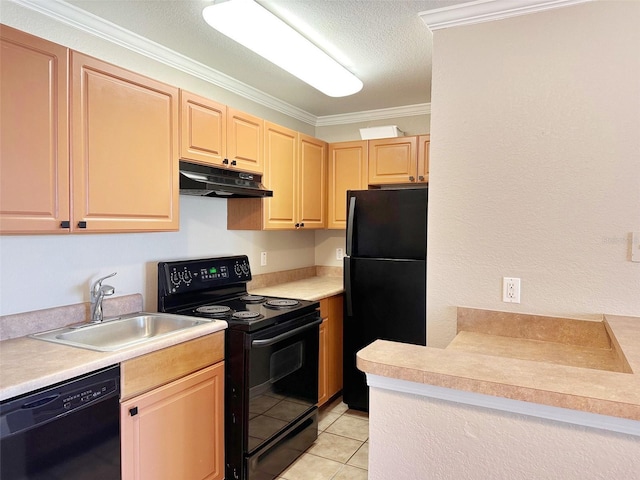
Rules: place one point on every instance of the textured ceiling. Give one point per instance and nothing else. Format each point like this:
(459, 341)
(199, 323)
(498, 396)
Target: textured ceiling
(383, 42)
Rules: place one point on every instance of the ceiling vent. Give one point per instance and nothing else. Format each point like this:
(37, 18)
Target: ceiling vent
(388, 131)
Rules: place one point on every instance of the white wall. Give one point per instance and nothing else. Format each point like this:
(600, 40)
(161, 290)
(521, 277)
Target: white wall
(535, 164)
(52, 270)
(446, 440)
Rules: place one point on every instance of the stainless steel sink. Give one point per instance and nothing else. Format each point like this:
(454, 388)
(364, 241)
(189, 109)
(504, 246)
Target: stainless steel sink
(123, 332)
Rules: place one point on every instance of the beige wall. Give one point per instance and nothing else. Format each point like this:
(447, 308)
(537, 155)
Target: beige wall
(535, 164)
(413, 438)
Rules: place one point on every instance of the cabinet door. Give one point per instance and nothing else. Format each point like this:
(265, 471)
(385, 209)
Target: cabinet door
(347, 171)
(334, 341)
(312, 180)
(176, 431)
(34, 145)
(393, 160)
(423, 158)
(125, 149)
(203, 129)
(323, 365)
(245, 141)
(280, 175)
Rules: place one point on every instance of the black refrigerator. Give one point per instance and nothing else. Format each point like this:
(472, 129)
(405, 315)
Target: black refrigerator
(385, 277)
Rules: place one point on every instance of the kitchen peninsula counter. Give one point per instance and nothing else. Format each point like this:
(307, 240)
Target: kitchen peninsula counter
(503, 374)
(512, 396)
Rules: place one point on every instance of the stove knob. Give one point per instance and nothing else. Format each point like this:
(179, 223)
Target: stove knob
(237, 269)
(175, 278)
(245, 268)
(187, 278)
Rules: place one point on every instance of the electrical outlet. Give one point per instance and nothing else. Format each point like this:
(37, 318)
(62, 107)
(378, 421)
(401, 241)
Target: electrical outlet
(339, 253)
(511, 290)
(263, 259)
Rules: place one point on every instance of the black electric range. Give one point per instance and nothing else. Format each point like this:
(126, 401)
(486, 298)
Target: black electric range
(216, 288)
(271, 361)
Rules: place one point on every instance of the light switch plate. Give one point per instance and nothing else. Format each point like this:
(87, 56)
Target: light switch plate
(635, 247)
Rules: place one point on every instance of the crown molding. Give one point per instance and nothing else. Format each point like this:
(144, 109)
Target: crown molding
(96, 26)
(369, 115)
(84, 21)
(480, 11)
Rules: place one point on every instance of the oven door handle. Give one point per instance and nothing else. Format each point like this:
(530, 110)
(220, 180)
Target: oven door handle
(270, 341)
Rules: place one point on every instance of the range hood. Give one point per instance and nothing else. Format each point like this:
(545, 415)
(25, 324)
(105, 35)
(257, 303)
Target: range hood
(205, 181)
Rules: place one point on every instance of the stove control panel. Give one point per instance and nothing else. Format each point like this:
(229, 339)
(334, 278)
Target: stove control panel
(192, 275)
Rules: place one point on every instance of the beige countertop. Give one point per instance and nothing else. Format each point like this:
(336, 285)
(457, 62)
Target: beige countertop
(528, 364)
(312, 288)
(27, 364)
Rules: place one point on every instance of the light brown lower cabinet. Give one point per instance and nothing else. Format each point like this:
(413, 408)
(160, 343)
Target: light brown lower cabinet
(330, 358)
(175, 430)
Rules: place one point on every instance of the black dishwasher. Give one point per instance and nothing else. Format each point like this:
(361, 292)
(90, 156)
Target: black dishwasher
(69, 431)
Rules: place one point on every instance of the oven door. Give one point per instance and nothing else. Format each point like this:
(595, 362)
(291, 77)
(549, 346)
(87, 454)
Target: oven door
(279, 418)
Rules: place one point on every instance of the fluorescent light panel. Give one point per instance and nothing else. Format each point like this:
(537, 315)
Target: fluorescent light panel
(254, 27)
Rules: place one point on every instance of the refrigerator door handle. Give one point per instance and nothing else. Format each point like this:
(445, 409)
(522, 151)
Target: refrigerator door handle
(347, 286)
(352, 212)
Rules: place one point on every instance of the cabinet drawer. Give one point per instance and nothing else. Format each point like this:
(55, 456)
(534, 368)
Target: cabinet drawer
(146, 372)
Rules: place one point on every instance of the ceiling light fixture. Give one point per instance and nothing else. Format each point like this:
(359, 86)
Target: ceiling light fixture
(254, 27)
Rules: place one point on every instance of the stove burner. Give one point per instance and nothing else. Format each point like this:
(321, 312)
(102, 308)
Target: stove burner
(252, 298)
(282, 303)
(246, 315)
(214, 310)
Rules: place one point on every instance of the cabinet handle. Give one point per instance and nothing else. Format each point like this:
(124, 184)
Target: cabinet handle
(297, 225)
(412, 178)
(225, 161)
(133, 411)
(82, 224)
(302, 225)
(65, 224)
(421, 178)
(233, 163)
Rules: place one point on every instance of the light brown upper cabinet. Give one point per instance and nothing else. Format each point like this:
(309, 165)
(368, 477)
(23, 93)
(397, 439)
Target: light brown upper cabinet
(213, 134)
(114, 170)
(347, 171)
(295, 170)
(312, 180)
(397, 160)
(124, 149)
(34, 137)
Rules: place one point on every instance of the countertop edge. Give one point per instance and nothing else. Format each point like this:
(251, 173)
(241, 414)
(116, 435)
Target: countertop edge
(508, 378)
(73, 361)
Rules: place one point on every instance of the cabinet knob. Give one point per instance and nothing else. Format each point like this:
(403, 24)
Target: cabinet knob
(233, 162)
(65, 224)
(421, 178)
(82, 224)
(412, 178)
(302, 225)
(225, 161)
(297, 225)
(133, 411)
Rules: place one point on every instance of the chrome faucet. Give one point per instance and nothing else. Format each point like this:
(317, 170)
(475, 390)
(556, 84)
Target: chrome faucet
(98, 292)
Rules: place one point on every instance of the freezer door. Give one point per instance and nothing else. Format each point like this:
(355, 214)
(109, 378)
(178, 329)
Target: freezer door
(387, 223)
(384, 299)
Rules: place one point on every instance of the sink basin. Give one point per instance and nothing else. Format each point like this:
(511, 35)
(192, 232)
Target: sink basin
(123, 332)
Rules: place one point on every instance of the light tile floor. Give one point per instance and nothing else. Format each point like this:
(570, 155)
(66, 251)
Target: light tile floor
(341, 451)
